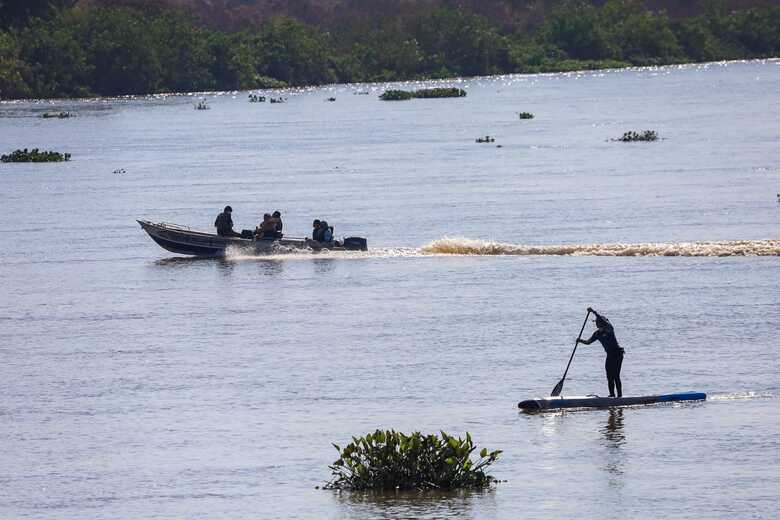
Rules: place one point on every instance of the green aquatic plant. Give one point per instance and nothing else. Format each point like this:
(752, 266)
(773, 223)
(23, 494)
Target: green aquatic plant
(34, 155)
(525, 115)
(631, 136)
(387, 459)
(60, 115)
(442, 92)
(396, 95)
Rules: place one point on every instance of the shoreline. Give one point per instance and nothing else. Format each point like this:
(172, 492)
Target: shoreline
(447, 80)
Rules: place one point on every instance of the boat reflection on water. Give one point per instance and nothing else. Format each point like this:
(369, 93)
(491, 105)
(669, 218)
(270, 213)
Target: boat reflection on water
(391, 505)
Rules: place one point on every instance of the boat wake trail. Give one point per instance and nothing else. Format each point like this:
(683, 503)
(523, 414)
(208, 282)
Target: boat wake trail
(467, 246)
(470, 247)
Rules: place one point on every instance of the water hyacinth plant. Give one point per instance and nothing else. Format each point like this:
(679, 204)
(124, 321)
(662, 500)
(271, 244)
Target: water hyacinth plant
(442, 92)
(647, 135)
(395, 95)
(34, 155)
(390, 460)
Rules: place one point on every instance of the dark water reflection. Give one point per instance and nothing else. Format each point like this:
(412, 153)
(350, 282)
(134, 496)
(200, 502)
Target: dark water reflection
(415, 504)
(614, 440)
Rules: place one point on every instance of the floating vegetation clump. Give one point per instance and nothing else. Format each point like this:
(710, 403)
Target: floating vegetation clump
(34, 155)
(486, 139)
(396, 95)
(442, 92)
(390, 460)
(202, 105)
(254, 98)
(58, 115)
(647, 135)
(525, 115)
(331, 99)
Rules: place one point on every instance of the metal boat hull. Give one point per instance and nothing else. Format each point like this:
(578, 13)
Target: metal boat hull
(184, 241)
(594, 401)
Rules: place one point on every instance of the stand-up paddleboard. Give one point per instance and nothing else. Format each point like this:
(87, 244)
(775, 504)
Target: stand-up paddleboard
(594, 401)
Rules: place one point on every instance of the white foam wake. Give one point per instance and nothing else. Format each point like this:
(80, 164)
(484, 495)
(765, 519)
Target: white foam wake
(467, 246)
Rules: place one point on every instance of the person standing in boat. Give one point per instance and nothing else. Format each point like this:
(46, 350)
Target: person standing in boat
(605, 334)
(224, 223)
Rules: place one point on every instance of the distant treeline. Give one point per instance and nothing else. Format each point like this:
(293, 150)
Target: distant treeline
(57, 51)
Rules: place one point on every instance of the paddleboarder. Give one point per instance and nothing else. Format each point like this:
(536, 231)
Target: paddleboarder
(605, 334)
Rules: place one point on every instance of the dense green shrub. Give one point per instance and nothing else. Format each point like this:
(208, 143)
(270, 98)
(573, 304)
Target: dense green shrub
(392, 460)
(34, 155)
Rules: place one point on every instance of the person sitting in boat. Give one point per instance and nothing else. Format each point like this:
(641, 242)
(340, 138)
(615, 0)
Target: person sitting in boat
(224, 224)
(327, 231)
(277, 216)
(316, 232)
(605, 334)
(267, 228)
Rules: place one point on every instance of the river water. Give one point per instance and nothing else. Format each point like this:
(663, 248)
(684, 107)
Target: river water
(139, 384)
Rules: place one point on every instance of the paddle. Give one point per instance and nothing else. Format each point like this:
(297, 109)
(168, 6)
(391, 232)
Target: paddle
(557, 390)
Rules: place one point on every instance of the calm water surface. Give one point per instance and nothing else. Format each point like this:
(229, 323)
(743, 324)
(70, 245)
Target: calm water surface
(138, 384)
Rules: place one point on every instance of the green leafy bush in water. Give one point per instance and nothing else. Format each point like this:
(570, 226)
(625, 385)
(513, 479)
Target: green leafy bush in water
(525, 115)
(439, 92)
(402, 95)
(386, 460)
(647, 135)
(396, 95)
(34, 155)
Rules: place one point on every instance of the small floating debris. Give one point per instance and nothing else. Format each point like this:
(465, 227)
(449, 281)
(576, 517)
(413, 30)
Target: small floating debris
(362, 93)
(525, 115)
(57, 115)
(331, 99)
(486, 139)
(647, 135)
(278, 100)
(442, 92)
(202, 105)
(34, 155)
(119, 171)
(254, 98)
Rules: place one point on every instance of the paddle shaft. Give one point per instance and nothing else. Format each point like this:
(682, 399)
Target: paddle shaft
(557, 390)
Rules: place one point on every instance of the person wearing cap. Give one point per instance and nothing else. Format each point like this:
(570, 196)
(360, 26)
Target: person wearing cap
(224, 224)
(605, 334)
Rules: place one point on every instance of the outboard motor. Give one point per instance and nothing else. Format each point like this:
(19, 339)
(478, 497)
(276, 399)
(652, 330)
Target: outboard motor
(355, 244)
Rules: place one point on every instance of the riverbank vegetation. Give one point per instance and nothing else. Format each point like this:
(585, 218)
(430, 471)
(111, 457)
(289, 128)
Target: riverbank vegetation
(62, 51)
(34, 155)
(390, 460)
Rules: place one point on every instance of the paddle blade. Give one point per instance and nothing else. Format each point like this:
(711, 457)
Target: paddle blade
(557, 390)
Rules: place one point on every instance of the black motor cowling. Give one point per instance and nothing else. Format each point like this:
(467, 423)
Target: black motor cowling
(355, 244)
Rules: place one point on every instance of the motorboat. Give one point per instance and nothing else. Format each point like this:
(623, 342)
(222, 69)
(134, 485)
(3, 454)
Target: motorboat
(186, 241)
